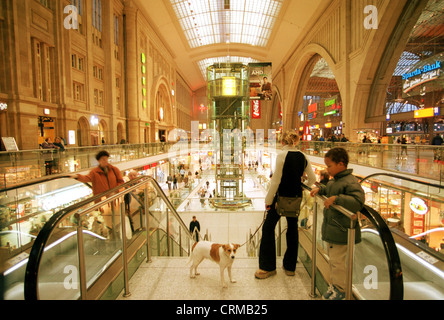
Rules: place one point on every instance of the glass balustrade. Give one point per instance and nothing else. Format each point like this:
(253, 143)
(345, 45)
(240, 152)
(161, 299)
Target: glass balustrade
(81, 243)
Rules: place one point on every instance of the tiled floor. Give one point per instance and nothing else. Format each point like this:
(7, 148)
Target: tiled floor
(168, 279)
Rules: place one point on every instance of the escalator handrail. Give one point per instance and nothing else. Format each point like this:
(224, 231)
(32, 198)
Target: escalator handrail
(38, 181)
(37, 250)
(397, 176)
(391, 252)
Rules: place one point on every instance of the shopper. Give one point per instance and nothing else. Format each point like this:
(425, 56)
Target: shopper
(344, 190)
(104, 177)
(58, 143)
(169, 181)
(195, 227)
(437, 140)
(291, 165)
(48, 155)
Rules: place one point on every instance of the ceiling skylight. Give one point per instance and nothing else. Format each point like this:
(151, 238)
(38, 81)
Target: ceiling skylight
(206, 22)
(204, 64)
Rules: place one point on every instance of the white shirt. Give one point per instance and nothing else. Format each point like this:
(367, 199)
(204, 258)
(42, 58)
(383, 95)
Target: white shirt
(277, 174)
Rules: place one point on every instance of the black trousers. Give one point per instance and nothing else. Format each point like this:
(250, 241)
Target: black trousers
(267, 249)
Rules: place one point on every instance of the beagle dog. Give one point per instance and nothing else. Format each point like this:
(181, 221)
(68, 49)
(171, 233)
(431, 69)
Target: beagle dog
(222, 254)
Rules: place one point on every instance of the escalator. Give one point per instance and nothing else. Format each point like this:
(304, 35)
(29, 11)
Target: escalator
(24, 209)
(415, 233)
(79, 251)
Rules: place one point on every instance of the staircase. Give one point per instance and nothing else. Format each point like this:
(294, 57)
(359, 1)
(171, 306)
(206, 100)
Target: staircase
(167, 278)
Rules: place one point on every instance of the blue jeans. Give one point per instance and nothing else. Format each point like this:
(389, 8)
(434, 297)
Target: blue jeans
(267, 249)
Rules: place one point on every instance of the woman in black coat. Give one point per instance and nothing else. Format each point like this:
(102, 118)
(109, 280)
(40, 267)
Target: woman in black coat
(291, 165)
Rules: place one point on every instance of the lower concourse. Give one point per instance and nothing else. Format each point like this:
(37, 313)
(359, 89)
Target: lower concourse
(158, 84)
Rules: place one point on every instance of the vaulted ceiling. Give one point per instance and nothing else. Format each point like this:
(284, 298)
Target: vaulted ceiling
(198, 32)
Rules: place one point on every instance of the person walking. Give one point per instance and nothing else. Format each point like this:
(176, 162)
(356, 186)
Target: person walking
(195, 226)
(291, 165)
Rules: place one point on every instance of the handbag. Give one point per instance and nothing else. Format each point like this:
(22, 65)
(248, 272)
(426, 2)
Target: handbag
(288, 206)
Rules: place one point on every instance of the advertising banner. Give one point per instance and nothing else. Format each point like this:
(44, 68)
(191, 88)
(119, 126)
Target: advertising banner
(261, 84)
(255, 109)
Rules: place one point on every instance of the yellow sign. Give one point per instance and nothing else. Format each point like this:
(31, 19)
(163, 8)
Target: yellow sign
(424, 113)
(328, 125)
(229, 86)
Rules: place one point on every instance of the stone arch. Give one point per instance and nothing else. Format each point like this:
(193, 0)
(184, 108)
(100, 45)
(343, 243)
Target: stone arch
(83, 132)
(299, 81)
(120, 133)
(103, 132)
(162, 99)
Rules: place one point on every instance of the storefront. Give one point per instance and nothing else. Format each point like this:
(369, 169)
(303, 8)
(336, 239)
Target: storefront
(413, 212)
(418, 215)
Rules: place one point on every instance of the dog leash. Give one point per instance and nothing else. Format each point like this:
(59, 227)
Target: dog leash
(260, 226)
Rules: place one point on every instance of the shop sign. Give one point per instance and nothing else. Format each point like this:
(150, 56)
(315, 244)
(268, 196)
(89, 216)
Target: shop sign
(426, 113)
(146, 167)
(313, 108)
(330, 113)
(256, 109)
(426, 77)
(419, 71)
(418, 206)
(330, 102)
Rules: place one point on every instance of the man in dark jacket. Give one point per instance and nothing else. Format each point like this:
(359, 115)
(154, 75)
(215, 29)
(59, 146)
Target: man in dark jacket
(195, 225)
(343, 190)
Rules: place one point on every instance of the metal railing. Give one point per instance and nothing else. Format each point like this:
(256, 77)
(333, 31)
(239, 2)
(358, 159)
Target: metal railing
(421, 160)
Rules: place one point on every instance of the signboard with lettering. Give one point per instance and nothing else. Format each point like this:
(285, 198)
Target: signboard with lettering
(255, 109)
(9, 144)
(261, 84)
(427, 78)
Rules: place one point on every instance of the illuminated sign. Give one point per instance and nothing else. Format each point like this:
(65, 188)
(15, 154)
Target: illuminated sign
(425, 69)
(161, 114)
(330, 102)
(256, 109)
(426, 113)
(418, 206)
(143, 60)
(328, 125)
(229, 86)
(330, 113)
(312, 108)
(71, 137)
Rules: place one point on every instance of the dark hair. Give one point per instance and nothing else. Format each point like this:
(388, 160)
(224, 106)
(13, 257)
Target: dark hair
(102, 154)
(338, 155)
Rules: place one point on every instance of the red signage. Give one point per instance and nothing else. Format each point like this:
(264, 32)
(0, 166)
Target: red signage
(313, 108)
(256, 109)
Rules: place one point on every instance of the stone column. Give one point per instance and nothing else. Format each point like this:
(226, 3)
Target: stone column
(131, 66)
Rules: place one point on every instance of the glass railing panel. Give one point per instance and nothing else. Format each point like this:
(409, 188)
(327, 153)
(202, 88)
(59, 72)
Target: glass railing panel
(24, 211)
(103, 238)
(72, 262)
(58, 274)
(371, 277)
(422, 160)
(414, 208)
